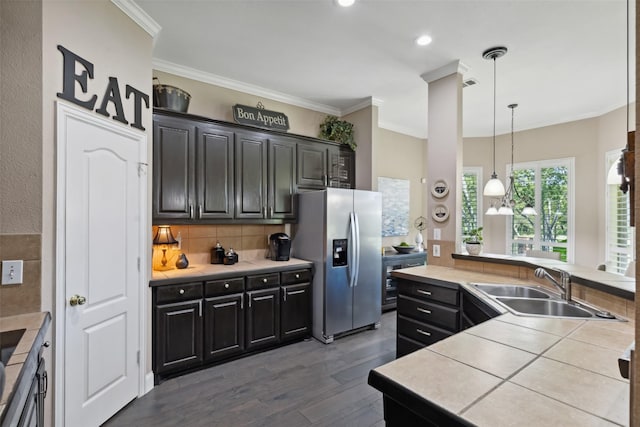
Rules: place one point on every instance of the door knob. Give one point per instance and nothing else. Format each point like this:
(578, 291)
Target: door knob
(77, 300)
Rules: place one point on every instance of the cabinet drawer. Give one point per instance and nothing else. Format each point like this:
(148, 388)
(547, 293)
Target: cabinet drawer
(421, 332)
(176, 293)
(263, 281)
(405, 346)
(431, 292)
(222, 287)
(428, 312)
(296, 276)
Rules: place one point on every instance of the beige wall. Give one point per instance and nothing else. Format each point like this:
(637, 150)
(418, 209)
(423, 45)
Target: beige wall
(216, 102)
(400, 156)
(364, 121)
(586, 140)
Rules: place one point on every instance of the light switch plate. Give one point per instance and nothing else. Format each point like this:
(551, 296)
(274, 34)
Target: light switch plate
(11, 272)
(436, 250)
(437, 234)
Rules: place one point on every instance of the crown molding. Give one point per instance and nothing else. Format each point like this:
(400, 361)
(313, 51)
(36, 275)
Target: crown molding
(368, 102)
(139, 16)
(451, 68)
(191, 73)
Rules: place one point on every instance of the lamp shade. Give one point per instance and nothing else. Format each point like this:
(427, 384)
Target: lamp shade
(505, 210)
(494, 187)
(529, 210)
(164, 236)
(491, 211)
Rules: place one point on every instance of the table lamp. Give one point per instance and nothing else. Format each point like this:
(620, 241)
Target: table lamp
(164, 238)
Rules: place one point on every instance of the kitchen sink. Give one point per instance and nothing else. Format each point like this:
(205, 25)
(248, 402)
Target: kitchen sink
(546, 307)
(8, 342)
(537, 301)
(514, 291)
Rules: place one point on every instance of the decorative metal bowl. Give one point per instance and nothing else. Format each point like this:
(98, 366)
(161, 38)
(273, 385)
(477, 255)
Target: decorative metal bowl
(404, 249)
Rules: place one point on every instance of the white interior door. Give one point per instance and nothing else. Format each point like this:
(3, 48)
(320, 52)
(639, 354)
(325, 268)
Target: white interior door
(100, 219)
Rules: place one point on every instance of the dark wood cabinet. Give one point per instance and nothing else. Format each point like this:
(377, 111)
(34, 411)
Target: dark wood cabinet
(281, 184)
(223, 326)
(200, 323)
(321, 166)
(427, 312)
(179, 336)
(215, 173)
(251, 175)
(173, 168)
(295, 308)
(263, 317)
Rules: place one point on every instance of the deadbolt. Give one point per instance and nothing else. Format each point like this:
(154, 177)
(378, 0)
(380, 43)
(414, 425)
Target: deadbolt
(77, 300)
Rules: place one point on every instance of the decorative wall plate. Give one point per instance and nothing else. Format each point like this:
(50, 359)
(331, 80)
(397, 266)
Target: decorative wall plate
(440, 213)
(440, 189)
(420, 223)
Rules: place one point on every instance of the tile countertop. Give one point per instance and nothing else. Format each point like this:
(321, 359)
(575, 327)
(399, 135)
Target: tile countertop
(514, 370)
(219, 271)
(36, 325)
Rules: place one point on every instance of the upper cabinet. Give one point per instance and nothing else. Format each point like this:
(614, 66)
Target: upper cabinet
(206, 171)
(323, 165)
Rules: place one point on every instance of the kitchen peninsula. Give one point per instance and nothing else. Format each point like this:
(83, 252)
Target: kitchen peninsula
(513, 370)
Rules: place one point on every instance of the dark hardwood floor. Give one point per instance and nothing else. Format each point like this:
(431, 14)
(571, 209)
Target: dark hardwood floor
(303, 384)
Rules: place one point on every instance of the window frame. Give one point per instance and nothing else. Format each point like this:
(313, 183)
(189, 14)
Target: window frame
(538, 165)
(477, 171)
(611, 157)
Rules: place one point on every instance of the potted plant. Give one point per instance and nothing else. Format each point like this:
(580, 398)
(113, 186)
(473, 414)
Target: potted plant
(334, 129)
(473, 241)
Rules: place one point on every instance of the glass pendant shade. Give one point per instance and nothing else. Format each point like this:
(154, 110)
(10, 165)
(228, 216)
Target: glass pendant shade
(505, 210)
(529, 210)
(494, 187)
(491, 211)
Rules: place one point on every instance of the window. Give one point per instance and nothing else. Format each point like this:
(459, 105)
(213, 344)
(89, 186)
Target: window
(549, 186)
(619, 237)
(471, 199)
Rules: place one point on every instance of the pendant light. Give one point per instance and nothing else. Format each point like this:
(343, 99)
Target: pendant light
(494, 187)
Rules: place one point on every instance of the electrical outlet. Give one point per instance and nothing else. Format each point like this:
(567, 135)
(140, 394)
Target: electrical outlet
(12, 272)
(436, 250)
(437, 234)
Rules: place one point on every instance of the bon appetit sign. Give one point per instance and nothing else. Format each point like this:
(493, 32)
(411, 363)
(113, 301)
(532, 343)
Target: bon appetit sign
(260, 117)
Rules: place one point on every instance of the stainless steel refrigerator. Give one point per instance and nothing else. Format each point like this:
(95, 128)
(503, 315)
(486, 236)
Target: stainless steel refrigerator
(340, 231)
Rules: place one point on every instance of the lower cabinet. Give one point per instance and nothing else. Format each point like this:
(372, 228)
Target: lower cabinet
(432, 310)
(179, 336)
(33, 412)
(199, 323)
(224, 326)
(263, 318)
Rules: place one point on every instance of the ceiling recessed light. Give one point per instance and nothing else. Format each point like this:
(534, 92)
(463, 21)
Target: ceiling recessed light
(346, 3)
(423, 40)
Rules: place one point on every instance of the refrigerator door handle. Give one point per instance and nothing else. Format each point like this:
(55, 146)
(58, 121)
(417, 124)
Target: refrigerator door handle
(351, 261)
(357, 249)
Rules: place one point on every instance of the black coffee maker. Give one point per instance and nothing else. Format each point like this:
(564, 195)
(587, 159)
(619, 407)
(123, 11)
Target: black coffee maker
(279, 247)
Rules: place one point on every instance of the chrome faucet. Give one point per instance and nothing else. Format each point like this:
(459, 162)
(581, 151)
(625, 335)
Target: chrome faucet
(565, 281)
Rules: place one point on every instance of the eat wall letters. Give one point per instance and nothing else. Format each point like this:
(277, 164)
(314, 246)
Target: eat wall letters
(111, 93)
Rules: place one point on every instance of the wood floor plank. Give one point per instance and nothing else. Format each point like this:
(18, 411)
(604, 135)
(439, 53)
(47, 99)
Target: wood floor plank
(303, 384)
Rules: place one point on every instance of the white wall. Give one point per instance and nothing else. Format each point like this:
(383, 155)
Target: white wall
(586, 140)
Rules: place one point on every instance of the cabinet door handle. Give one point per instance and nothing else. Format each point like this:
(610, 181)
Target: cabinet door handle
(297, 276)
(423, 292)
(226, 286)
(423, 310)
(181, 291)
(420, 331)
(264, 280)
(199, 211)
(242, 303)
(301, 291)
(200, 308)
(414, 265)
(191, 211)
(264, 212)
(249, 300)
(271, 211)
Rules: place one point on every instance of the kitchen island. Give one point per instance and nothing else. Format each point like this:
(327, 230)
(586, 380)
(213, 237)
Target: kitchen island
(510, 370)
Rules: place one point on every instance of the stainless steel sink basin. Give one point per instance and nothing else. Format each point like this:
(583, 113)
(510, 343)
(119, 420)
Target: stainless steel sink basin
(513, 291)
(546, 307)
(538, 301)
